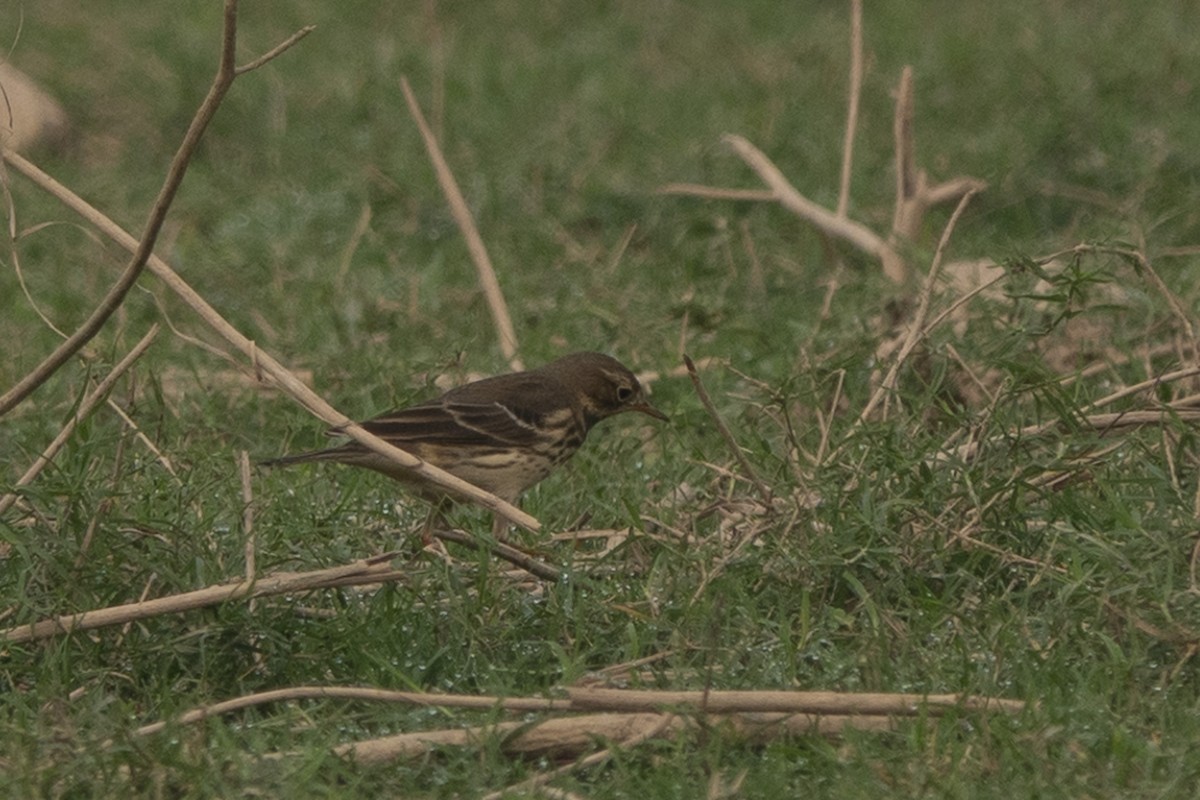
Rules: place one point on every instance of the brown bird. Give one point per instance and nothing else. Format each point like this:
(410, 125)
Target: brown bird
(502, 434)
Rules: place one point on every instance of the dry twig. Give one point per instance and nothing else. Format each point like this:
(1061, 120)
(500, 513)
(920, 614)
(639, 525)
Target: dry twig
(227, 71)
(764, 491)
(645, 732)
(534, 566)
(368, 570)
(247, 514)
(716, 702)
(914, 195)
(855, 233)
(480, 702)
(856, 77)
(85, 408)
(917, 329)
(462, 216)
(618, 715)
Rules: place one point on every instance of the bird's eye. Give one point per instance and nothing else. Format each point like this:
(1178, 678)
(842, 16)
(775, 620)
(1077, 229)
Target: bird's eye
(624, 393)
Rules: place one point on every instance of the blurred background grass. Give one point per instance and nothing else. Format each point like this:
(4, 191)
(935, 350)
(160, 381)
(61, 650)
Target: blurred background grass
(560, 120)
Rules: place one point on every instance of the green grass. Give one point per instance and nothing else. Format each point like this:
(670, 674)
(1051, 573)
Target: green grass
(880, 568)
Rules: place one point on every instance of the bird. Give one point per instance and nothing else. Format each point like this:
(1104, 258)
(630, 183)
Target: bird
(503, 434)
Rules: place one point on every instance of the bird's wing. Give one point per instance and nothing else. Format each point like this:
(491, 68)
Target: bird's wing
(457, 424)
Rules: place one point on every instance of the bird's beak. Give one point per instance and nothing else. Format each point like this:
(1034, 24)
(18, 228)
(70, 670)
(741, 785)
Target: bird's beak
(648, 410)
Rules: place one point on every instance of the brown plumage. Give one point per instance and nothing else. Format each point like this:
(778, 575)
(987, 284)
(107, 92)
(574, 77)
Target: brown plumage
(502, 434)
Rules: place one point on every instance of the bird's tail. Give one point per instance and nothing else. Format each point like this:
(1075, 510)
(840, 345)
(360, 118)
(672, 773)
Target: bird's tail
(299, 458)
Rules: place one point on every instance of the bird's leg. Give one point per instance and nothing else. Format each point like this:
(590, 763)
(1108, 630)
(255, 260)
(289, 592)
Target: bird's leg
(436, 520)
(500, 528)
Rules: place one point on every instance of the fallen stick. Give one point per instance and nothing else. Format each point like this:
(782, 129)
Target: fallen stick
(722, 701)
(367, 570)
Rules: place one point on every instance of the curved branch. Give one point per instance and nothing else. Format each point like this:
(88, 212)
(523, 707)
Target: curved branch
(226, 72)
(843, 228)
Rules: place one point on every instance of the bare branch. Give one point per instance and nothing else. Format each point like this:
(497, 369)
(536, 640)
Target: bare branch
(914, 195)
(917, 326)
(906, 166)
(721, 701)
(628, 717)
(848, 230)
(481, 702)
(158, 213)
(276, 51)
(533, 566)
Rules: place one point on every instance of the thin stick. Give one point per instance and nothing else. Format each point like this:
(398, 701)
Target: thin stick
(560, 737)
(917, 326)
(374, 569)
(144, 439)
(226, 72)
(724, 701)
(764, 491)
(462, 216)
(533, 566)
(356, 236)
(1172, 300)
(856, 77)
(542, 778)
(247, 513)
(756, 714)
(758, 281)
(827, 425)
(906, 167)
(94, 398)
(276, 51)
(716, 192)
(914, 195)
(960, 302)
(1152, 383)
(479, 702)
(286, 381)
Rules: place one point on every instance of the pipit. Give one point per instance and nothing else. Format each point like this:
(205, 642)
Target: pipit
(502, 434)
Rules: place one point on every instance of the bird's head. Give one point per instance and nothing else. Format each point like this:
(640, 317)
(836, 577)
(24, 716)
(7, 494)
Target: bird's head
(604, 386)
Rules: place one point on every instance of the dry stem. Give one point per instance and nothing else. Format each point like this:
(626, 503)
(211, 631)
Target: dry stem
(462, 216)
(917, 328)
(533, 566)
(764, 491)
(618, 715)
(643, 733)
(914, 195)
(481, 702)
(856, 77)
(369, 570)
(716, 193)
(227, 71)
(85, 408)
(822, 218)
(784, 702)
